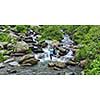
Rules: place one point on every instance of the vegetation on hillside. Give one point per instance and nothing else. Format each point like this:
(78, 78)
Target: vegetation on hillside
(87, 36)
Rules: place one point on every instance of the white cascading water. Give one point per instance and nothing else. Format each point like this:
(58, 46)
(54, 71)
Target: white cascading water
(46, 55)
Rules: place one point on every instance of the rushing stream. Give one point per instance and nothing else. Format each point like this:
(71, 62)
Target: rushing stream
(42, 67)
(44, 58)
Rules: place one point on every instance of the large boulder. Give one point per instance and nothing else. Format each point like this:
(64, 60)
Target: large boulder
(83, 63)
(53, 66)
(28, 59)
(57, 64)
(21, 46)
(72, 63)
(60, 65)
(31, 61)
(12, 35)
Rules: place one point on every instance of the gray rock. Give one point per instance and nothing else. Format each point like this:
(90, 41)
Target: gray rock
(11, 71)
(13, 35)
(29, 58)
(25, 57)
(21, 46)
(2, 65)
(60, 65)
(26, 64)
(56, 64)
(69, 73)
(9, 60)
(28, 40)
(31, 61)
(51, 64)
(72, 63)
(14, 64)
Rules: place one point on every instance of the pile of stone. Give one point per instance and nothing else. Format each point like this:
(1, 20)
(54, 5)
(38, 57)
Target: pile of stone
(21, 49)
(28, 60)
(56, 65)
(32, 42)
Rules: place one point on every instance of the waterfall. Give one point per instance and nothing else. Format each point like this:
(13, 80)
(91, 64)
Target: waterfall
(46, 55)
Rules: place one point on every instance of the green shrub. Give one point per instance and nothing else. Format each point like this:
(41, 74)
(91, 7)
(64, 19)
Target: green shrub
(22, 28)
(4, 37)
(51, 32)
(94, 67)
(2, 58)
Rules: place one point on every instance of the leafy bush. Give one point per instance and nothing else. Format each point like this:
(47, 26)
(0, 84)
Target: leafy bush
(2, 58)
(86, 35)
(94, 68)
(22, 28)
(52, 32)
(4, 37)
(89, 36)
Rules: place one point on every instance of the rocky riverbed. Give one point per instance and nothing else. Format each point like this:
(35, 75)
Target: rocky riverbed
(30, 57)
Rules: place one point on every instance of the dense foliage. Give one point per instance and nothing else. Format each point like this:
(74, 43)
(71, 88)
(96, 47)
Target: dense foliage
(87, 36)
